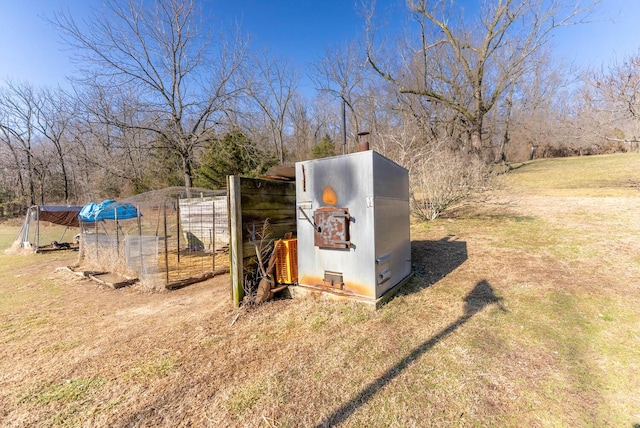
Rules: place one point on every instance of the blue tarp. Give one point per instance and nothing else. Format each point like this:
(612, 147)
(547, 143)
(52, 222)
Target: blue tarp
(107, 210)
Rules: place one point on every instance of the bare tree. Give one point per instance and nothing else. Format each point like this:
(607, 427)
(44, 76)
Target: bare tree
(302, 122)
(54, 114)
(272, 85)
(326, 118)
(12, 167)
(18, 105)
(612, 95)
(534, 113)
(341, 73)
(111, 144)
(469, 68)
(156, 50)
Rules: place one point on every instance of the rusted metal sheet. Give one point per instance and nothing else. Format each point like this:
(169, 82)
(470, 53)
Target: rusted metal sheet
(333, 279)
(332, 227)
(347, 288)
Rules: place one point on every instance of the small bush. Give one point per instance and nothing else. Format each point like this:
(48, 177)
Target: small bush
(438, 175)
(441, 179)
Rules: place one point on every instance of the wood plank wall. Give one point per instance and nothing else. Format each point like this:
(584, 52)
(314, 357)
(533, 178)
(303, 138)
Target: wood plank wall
(251, 202)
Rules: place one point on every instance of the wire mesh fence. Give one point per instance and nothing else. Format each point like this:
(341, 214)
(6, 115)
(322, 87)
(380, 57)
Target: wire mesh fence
(176, 236)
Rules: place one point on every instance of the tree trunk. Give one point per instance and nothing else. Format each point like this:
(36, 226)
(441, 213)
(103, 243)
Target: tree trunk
(16, 161)
(188, 174)
(506, 138)
(32, 190)
(66, 182)
(505, 144)
(476, 137)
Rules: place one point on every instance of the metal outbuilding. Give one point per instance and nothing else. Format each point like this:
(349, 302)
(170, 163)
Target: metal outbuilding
(353, 226)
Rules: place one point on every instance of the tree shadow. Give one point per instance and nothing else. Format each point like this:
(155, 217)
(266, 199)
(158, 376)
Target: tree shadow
(433, 260)
(480, 297)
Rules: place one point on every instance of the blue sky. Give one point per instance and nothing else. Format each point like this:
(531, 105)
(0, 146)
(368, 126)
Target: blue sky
(30, 48)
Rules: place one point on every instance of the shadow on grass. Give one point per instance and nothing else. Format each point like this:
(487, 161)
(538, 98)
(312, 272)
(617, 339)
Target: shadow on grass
(480, 297)
(433, 260)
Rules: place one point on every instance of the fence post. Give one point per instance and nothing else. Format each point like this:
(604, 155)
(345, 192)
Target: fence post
(235, 239)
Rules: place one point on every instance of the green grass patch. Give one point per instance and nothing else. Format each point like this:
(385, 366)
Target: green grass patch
(604, 175)
(150, 370)
(8, 234)
(18, 327)
(25, 282)
(211, 340)
(574, 330)
(68, 391)
(62, 346)
(268, 391)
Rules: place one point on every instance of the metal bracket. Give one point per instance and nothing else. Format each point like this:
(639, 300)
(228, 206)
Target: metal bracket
(316, 228)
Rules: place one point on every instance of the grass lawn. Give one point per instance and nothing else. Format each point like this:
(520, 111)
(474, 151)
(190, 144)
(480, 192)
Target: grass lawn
(523, 311)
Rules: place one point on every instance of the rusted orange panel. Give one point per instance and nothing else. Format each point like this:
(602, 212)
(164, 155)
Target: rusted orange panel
(329, 196)
(349, 288)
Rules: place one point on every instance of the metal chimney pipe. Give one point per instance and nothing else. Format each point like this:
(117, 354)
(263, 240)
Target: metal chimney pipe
(363, 144)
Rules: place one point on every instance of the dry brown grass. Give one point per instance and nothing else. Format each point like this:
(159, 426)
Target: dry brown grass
(523, 312)
(167, 269)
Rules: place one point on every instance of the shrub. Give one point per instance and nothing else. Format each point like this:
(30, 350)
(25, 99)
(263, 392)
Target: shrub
(324, 148)
(234, 153)
(441, 179)
(438, 175)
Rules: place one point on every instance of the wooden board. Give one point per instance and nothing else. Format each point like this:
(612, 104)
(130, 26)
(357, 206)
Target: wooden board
(251, 202)
(113, 280)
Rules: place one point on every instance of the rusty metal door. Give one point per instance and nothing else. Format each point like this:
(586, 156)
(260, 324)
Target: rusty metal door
(332, 227)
